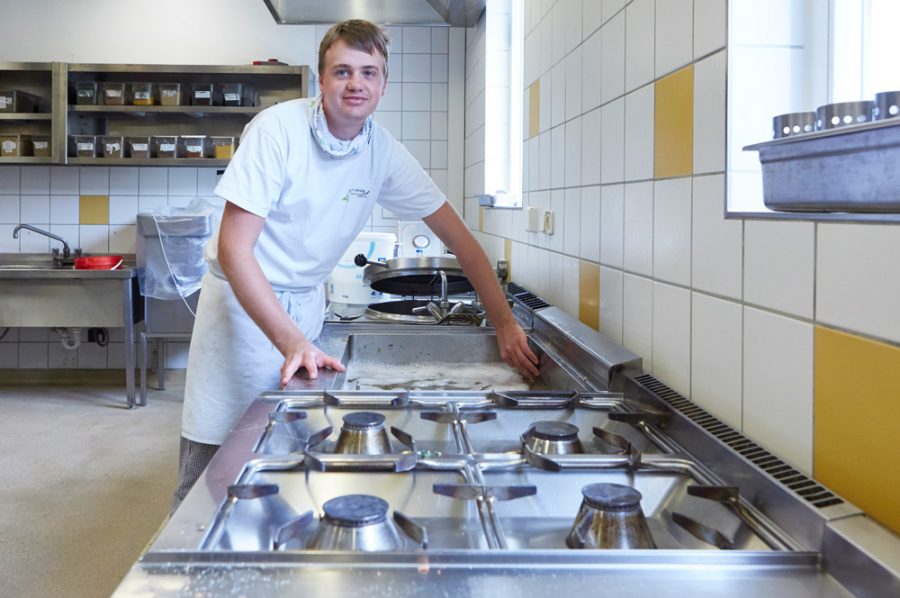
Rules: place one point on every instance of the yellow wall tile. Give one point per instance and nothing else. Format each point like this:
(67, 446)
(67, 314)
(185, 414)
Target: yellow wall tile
(481, 219)
(507, 255)
(589, 294)
(856, 450)
(673, 124)
(534, 108)
(94, 209)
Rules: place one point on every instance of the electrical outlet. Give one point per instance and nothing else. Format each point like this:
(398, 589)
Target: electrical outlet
(532, 220)
(547, 222)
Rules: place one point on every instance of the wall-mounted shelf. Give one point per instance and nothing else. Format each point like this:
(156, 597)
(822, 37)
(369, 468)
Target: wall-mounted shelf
(60, 116)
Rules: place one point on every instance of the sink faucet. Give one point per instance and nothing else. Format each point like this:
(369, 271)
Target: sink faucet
(66, 251)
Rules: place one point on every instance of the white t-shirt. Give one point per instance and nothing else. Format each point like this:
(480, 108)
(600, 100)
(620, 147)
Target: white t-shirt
(314, 204)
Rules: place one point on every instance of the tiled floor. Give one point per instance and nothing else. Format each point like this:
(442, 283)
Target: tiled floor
(85, 485)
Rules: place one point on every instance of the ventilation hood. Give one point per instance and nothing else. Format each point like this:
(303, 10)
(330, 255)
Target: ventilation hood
(454, 13)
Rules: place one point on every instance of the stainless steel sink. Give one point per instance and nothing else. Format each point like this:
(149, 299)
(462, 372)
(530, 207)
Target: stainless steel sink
(28, 261)
(35, 291)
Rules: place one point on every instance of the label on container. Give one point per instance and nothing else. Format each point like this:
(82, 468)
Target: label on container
(139, 147)
(85, 93)
(8, 146)
(203, 95)
(194, 149)
(142, 95)
(232, 97)
(113, 148)
(114, 93)
(169, 93)
(2, 102)
(167, 147)
(84, 147)
(41, 145)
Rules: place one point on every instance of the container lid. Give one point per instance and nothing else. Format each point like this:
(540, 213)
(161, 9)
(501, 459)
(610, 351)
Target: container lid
(178, 225)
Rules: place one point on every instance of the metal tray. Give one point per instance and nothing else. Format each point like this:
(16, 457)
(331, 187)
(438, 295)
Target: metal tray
(850, 169)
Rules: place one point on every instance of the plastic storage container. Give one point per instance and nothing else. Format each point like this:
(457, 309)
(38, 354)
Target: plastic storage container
(14, 146)
(83, 146)
(195, 146)
(169, 250)
(40, 146)
(165, 146)
(137, 147)
(112, 94)
(223, 147)
(86, 93)
(345, 285)
(14, 100)
(204, 94)
(238, 94)
(111, 146)
(142, 94)
(170, 94)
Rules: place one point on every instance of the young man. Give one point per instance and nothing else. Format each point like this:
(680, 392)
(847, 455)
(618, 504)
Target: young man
(300, 188)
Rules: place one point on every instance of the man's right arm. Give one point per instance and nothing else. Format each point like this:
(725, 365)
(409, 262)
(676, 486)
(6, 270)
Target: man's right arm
(238, 234)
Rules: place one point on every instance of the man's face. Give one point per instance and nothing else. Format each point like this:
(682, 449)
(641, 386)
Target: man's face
(352, 84)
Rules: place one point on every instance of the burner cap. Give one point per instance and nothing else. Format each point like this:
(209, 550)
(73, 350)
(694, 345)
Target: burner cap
(363, 420)
(554, 431)
(355, 510)
(611, 497)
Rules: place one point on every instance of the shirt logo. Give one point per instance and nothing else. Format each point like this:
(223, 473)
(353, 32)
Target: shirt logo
(355, 193)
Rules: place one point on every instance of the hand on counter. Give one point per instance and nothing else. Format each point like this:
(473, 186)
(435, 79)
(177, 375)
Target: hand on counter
(514, 349)
(307, 355)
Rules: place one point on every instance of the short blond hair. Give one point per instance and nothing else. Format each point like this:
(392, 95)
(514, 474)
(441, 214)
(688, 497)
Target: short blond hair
(359, 34)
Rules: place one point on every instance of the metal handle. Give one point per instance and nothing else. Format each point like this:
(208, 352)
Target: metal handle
(361, 260)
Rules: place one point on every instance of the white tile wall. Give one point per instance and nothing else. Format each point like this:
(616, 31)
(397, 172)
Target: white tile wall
(709, 114)
(672, 230)
(778, 266)
(590, 147)
(574, 79)
(672, 336)
(611, 303)
(612, 58)
(612, 142)
(639, 43)
(637, 318)
(590, 224)
(709, 26)
(612, 225)
(592, 51)
(717, 244)
(778, 379)
(638, 245)
(572, 221)
(851, 293)
(674, 34)
(717, 357)
(639, 134)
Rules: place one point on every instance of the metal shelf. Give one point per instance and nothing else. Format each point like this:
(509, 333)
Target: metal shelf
(190, 110)
(25, 160)
(26, 116)
(146, 161)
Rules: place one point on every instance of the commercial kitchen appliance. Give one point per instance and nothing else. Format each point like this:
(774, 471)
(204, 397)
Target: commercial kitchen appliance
(595, 477)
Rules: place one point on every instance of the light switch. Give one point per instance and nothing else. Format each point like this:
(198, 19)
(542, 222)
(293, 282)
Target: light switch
(532, 220)
(547, 221)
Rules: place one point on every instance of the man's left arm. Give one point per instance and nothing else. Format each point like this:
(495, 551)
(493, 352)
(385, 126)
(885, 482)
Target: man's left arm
(511, 339)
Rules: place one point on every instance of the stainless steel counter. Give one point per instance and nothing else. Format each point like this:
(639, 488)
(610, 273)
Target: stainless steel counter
(35, 293)
(830, 549)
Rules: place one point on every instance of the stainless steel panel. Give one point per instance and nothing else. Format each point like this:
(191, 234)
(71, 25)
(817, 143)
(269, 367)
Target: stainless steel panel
(63, 302)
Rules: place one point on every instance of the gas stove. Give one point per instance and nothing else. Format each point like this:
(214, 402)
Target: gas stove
(449, 477)
(476, 471)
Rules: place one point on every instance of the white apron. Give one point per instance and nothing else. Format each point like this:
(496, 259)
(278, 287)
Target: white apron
(231, 361)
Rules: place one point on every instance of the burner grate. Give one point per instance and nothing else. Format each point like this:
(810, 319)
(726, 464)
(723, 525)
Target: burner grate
(808, 489)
